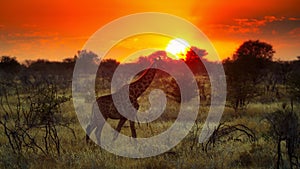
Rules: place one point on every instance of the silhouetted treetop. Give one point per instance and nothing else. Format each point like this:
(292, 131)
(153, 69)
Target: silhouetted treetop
(248, 68)
(194, 59)
(254, 49)
(9, 64)
(107, 68)
(195, 53)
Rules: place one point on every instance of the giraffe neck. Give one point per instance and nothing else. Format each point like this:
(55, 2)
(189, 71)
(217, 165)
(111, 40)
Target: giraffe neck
(138, 87)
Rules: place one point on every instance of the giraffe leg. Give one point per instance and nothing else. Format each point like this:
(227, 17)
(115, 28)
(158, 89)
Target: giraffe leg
(92, 125)
(120, 124)
(88, 130)
(132, 128)
(98, 131)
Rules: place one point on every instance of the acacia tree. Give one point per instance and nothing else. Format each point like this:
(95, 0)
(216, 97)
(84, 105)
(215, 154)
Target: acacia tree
(87, 60)
(31, 120)
(9, 67)
(9, 64)
(293, 82)
(193, 60)
(275, 75)
(285, 127)
(245, 71)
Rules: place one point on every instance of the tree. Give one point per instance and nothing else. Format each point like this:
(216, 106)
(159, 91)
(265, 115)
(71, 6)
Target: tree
(255, 50)
(105, 74)
(285, 127)
(9, 66)
(31, 121)
(275, 78)
(87, 61)
(253, 57)
(293, 81)
(193, 60)
(246, 70)
(107, 68)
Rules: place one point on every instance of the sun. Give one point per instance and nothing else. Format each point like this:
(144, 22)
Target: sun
(178, 48)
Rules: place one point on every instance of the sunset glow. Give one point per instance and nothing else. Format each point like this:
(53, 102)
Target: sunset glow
(178, 48)
(57, 29)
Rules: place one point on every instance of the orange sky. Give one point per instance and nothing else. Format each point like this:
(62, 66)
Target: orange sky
(56, 29)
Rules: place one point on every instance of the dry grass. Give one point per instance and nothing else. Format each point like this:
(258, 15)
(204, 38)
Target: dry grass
(187, 154)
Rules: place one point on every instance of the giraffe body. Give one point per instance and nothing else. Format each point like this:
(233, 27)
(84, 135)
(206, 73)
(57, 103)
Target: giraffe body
(106, 104)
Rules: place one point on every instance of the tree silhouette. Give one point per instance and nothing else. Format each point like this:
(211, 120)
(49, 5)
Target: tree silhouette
(255, 50)
(107, 68)
(285, 127)
(293, 81)
(193, 60)
(105, 74)
(9, 66)
(87, 60)
(252, 58)
(246, 70)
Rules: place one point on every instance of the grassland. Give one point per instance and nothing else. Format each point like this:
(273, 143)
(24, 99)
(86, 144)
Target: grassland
(226, 153)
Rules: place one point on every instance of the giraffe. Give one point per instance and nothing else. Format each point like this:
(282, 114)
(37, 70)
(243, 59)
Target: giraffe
(107, 106)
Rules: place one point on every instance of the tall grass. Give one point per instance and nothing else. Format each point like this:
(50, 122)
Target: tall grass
(188, 154)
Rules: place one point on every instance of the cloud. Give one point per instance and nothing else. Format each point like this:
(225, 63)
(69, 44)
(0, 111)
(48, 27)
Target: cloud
(234, 29)
(248, 25)
(273, 18)
(253, 25)
(250, 22)
(295, 32)
(294, 19)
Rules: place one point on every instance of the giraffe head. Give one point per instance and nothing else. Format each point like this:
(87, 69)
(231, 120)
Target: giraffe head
(157, 62)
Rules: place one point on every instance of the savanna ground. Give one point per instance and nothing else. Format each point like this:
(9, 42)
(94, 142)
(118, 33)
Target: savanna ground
(235, 150)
